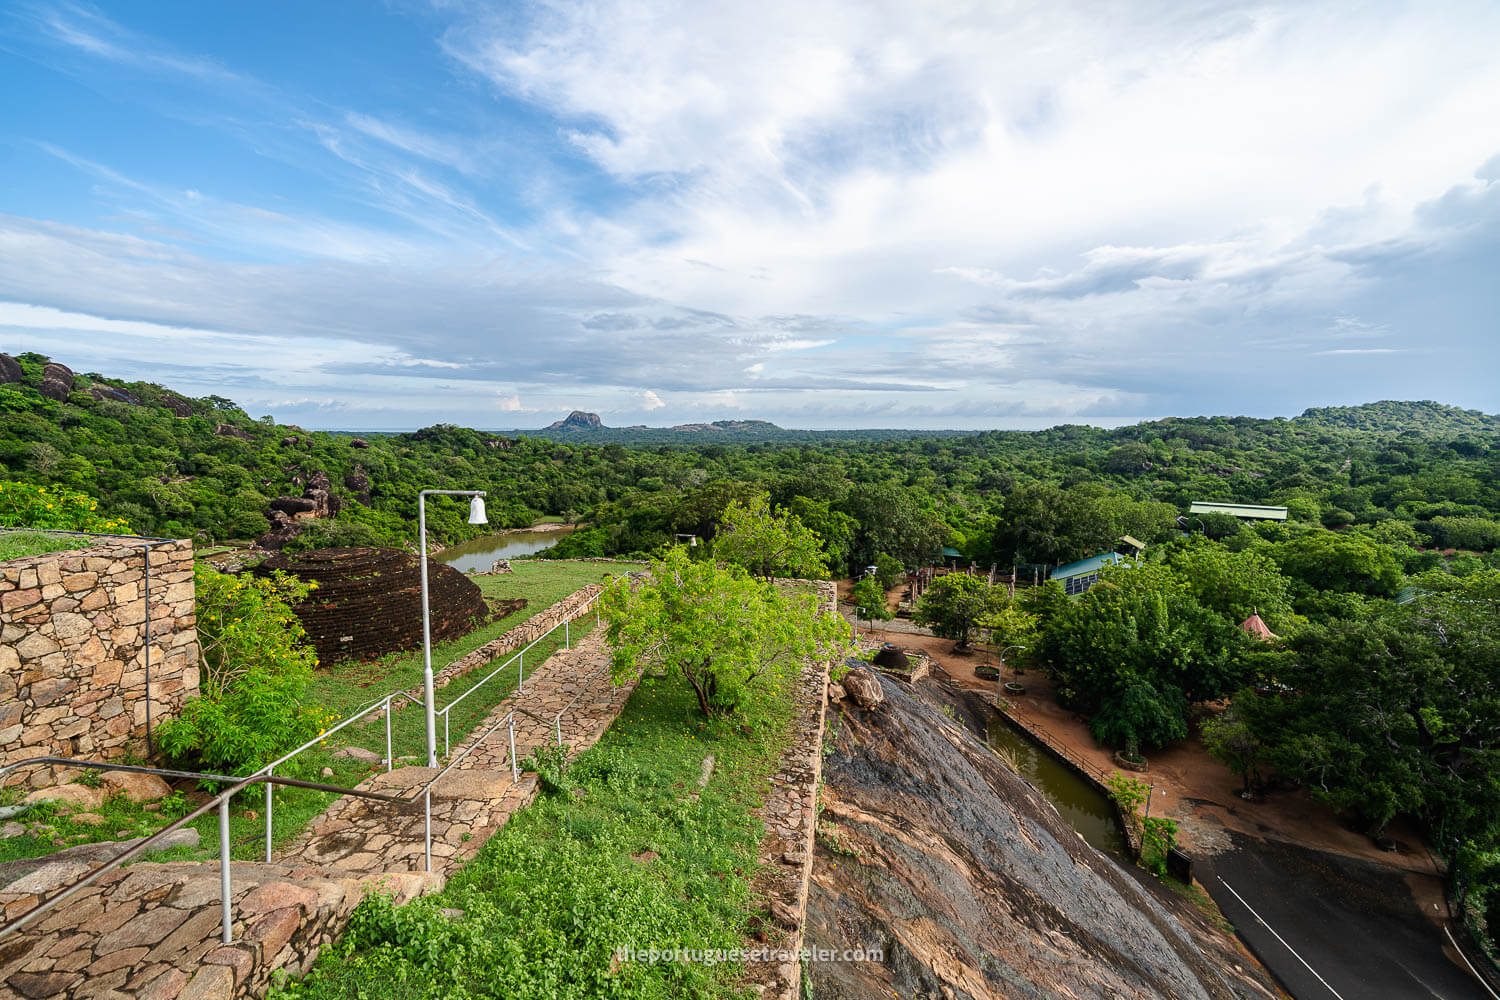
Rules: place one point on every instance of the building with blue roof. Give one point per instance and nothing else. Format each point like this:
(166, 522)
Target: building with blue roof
(1077, 577)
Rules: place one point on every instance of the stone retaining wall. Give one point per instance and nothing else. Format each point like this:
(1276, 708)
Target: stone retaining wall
(570, 608)
(790, 815)
(73, 650)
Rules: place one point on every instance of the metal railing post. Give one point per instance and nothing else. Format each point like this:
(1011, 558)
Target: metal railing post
(224, 892)
(558, 721)
(269, 788)
(389, 760)
(515, 770)
(521, 670)
(445, 731)
(567, 640)
(427, 825)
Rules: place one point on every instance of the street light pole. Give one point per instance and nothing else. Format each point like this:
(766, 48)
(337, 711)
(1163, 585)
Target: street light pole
(476, 516)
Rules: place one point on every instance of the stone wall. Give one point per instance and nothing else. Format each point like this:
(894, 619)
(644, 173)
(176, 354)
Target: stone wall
(73, 650)
(569, 609)
(790, 814)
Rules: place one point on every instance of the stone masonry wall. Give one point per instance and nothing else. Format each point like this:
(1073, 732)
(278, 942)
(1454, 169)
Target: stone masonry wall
(73, 650)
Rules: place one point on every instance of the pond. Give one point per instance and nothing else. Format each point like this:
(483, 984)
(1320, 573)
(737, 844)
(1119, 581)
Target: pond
(480, 553)
(1083, 806)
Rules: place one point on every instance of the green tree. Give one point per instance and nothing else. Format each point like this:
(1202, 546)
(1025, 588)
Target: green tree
(256, 669)
(869, 596)
(715, 627)
(768, 543)
(1327, 560)
(1235, 584)
(955, 604)
(1236, 743)
(23, 505)
(1136, 650)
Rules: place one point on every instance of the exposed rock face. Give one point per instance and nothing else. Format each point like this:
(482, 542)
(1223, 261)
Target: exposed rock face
(358, 443)
(229, 430)
(179, 406)
(578, 420)
(369, 601)
(971, 884)
(60, 372)
(110, 392)
(57, 389)
(10, 370)
(358, 483)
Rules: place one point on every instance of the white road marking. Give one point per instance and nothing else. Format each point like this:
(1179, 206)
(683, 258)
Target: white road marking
(1461, 955)
(1278, 937)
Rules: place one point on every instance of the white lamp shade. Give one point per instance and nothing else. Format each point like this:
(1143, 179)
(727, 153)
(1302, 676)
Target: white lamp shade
(476, 511)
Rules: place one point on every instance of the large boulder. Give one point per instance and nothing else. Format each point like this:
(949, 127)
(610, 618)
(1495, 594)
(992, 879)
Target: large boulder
(10, 370)
(358, 483)
(863, 686)
(80, 797)
(179, 406)
(358, 443)
(136, 787)
(57, 389)
(229, 430)
(60, 372)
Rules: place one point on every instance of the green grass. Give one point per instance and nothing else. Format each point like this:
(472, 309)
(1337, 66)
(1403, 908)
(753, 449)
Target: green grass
(345, 687)
(51, 827)
(568, 882)
(19, 544)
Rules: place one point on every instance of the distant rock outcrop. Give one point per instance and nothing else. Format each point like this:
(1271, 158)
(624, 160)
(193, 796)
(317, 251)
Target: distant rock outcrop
(56, 388)
(111, 393)
(358, 443)
(358, 483)
(10, 370)
(229, 430)
(578, 420)
(180, 407)
(60, 372)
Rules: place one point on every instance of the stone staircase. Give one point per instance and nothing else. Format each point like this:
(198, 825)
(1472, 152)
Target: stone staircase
(152, 931)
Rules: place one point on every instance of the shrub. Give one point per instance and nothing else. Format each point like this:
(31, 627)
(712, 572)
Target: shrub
(256, 670)
(23, 505)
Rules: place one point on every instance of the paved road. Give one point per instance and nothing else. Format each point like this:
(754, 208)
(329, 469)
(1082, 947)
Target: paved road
(1339, 928)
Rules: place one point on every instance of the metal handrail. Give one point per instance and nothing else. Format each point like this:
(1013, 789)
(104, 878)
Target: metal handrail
(269, 779)
(557, 719)
(142, 846)
(519, 656)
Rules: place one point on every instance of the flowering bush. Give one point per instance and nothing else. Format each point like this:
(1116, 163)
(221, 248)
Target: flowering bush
(24, 505)
(256, 668)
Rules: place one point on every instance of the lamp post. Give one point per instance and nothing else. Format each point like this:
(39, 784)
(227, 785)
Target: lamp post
(476, 516)
(1000, 672)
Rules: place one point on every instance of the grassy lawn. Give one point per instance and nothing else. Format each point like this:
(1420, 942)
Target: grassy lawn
(19, 544)
(632, 861)
(343, 688)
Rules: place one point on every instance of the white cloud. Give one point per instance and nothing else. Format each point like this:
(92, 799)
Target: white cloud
(651, 401)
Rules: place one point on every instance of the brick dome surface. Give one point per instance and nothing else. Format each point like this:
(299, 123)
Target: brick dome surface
(368, 602)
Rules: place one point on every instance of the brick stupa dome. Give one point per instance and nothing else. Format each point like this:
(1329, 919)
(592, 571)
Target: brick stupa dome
(368, 602)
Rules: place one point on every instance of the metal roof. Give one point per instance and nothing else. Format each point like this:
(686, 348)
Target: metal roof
(951, 553)
(1245, 510)
(1091, 565)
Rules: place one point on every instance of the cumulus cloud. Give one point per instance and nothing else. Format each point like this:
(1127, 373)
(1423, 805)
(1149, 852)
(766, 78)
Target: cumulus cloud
(935, 214)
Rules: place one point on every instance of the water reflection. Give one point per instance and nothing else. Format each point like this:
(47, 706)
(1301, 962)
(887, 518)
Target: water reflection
(480, 553)
(1077, 801)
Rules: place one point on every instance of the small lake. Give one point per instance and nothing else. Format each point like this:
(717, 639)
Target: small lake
(1078, 802)
(480, 553)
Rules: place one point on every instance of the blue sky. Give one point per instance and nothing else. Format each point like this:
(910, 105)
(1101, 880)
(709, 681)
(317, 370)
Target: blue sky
(826, 214)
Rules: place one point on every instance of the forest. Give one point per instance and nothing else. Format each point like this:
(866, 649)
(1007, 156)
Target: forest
(1380, 692)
